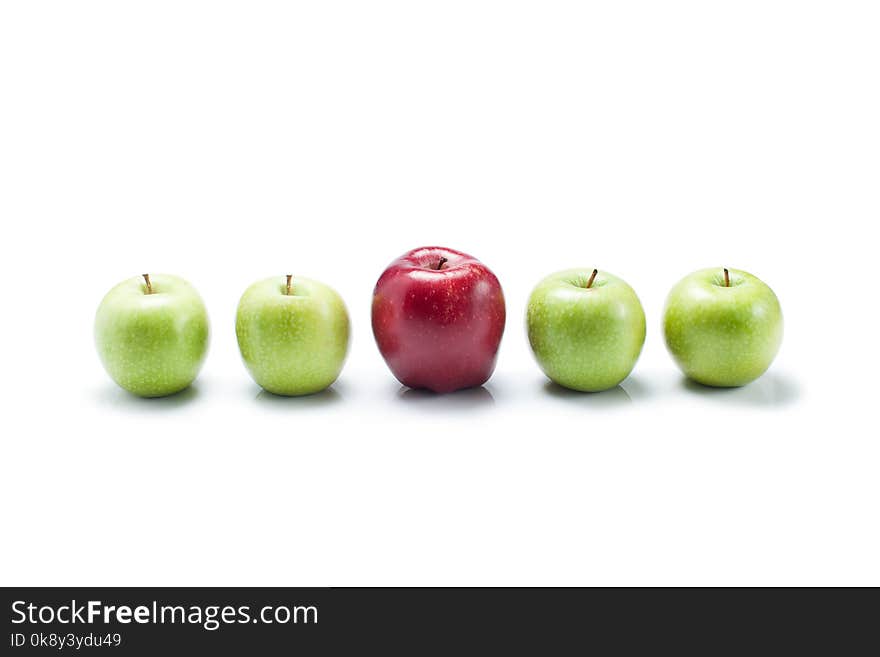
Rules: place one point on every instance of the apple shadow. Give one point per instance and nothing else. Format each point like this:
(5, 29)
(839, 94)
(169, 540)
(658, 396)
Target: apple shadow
(460, 400)
(636, 388)
(615, 397)
(771, 390)
(118, 398)
(326, 397)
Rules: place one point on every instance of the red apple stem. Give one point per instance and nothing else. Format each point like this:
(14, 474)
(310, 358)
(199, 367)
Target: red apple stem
(726, 278)
(147, 281)
(592, 278)
(289, 283)
(442, 262)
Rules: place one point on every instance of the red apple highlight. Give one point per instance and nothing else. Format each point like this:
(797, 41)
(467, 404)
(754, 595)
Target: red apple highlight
(438, 318)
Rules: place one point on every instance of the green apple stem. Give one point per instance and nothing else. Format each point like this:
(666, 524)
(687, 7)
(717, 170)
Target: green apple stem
(726, 278)
(147, 281)
(441, 263)
(592, 278)
(289, 283)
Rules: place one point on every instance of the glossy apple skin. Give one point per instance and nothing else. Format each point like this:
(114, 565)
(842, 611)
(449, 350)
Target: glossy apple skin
(152, 345)
(292, 344)
(438, 329)
(722, 336)
(586, 339)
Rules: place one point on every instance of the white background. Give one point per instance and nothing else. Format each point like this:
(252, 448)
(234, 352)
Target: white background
(226, 142)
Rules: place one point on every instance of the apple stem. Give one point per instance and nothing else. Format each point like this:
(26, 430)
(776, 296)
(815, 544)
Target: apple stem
(442, 262)
(149, 285)
(726, 278)
(592, 278)
(289, 283)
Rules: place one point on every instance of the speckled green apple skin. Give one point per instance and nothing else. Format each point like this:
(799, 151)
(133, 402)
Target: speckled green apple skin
(292, 344)
(722, 336)
(152, 345)
(586, 339)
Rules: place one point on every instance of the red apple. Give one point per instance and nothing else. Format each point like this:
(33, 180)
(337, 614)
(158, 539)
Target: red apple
(438, 317)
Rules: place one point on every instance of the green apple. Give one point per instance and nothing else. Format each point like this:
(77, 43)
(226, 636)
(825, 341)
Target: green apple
(723, 327)
(293, 334)
(586, 328)
(152, 334)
